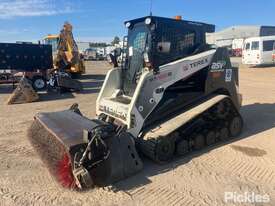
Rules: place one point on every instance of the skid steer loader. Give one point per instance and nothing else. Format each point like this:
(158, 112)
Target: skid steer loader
(173, 94)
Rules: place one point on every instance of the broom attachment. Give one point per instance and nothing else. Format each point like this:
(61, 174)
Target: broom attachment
(53, 154)
(82, 153)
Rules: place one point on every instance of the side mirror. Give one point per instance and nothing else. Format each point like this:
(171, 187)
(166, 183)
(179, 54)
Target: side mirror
(163, 47)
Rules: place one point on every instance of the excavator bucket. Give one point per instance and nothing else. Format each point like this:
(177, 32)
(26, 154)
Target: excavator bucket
(24, 93)
(69, 83)
(62, 141)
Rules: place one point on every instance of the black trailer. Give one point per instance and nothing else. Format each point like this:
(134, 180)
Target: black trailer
(33, 60)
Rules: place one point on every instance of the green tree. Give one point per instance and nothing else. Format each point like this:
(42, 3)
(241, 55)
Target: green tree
(98, 44)
(116, 40)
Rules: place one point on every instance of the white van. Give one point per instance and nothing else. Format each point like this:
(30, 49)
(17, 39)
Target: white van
(259, 51)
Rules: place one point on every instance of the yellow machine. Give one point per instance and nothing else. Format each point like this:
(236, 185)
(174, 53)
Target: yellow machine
(65, 51)
(52, 40)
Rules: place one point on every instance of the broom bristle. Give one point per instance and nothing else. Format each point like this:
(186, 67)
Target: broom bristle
(52, 153)
(64, 172)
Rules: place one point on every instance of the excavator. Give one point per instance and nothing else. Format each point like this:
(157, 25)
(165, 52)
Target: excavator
(67, 64)
(65, 51)
(173, 94)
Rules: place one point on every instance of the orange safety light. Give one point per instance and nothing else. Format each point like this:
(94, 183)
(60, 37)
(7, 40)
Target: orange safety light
(178, 17)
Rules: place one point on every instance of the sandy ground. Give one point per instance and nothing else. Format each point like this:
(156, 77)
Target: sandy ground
(244, 165)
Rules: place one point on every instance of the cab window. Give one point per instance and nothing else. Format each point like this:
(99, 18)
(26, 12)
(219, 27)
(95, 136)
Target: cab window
(247, 46)
(255, 45)
(268, 45)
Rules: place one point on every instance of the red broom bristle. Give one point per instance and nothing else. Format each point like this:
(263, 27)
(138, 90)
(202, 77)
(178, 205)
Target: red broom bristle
(64, 172)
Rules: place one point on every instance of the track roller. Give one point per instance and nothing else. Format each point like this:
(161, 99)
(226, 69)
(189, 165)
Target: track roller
(165, 149)
(199, 142)
(182, 147)
(224, 134)
(210, 138)
(235, 126)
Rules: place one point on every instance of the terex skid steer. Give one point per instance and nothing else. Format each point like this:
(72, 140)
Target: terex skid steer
(173, 94)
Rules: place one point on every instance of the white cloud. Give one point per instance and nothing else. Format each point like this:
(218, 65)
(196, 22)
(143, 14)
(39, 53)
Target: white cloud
(23, 8)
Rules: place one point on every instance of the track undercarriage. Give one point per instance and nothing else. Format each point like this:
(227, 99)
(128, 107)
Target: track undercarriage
(217, 123)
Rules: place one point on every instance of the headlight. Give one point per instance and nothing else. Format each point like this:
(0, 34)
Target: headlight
(128, 24)
(148, 21)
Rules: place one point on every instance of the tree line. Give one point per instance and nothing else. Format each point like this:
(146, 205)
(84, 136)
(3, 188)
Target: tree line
(115, 41)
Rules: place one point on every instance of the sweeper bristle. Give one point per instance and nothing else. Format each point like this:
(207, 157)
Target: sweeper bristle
(64, 173)
(52, 153)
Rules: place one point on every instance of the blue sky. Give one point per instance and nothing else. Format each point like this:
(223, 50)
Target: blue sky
(99, 20)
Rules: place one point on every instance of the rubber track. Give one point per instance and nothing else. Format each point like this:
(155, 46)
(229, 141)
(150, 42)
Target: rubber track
(149, 143)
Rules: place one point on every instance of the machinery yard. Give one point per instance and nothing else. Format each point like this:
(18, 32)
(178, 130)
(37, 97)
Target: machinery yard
(201, 178)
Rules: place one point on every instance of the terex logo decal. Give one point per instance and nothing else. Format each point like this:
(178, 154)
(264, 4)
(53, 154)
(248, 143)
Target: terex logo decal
(113, 112)
(198, 63)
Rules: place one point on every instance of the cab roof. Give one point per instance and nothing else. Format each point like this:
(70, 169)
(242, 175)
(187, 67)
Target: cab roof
(171, 21)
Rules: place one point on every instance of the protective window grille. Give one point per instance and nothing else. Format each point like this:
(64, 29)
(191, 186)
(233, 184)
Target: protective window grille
(139, 42)
(137, 57)
(182, 44)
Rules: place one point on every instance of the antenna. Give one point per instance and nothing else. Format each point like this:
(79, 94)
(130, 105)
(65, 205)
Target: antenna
(151, 7)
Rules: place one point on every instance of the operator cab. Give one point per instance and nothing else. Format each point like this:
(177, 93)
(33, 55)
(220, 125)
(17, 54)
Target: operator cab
(156, 41)
(152, 43)
(53, 41)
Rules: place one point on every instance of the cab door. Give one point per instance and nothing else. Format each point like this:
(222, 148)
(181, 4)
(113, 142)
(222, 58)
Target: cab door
(255, 53)
(246, 52)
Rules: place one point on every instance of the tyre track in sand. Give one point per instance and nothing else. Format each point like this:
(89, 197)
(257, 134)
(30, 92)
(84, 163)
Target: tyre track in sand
(220, 166)
(158, 193)
(234, 163)
(13, 149)
(251, 168)
(26, 198)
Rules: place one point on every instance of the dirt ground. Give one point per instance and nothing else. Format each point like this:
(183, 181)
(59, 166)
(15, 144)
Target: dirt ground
(246, 164)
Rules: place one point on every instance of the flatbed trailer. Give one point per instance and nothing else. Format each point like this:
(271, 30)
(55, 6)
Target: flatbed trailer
(32, 60)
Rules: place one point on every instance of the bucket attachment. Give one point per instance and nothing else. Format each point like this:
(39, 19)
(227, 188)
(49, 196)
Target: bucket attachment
(82, 153)
(24, 93)
(63, 82)
(66, 82)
